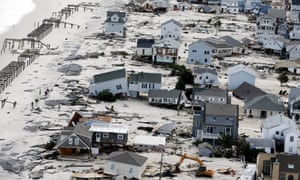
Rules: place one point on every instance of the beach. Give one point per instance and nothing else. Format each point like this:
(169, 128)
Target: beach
(24, 131)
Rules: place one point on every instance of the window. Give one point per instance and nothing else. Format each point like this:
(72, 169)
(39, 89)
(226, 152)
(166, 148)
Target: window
(170, 35)
(290, 149)
(112, 167)
(105, 135)
(144, 85)
(227, 131)
(206, 77)
(221, 99)
(266, 167)
(200, 77)
(282, 176)
(209, 129)
(112, 24)
(70, 140)
(291, 138)
(130, 170)
(205, 60)
(77, 141)
(119, 87)
(120, 137)
(194, 50)
(277, 132)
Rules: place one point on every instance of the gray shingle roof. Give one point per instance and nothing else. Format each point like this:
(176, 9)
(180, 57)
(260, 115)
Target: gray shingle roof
(145, 43)
(277, 13)
(172, 20)
(121, 16)
(294, 93)
(233, 42)
(121, 73)
(174, 93)
(145, 77)
(127, 158)
(217, 43)
(247, 91)
(295, 2)
(210, 92)
(268, 102)
(200, 70)
(221, 109)
(286, 160)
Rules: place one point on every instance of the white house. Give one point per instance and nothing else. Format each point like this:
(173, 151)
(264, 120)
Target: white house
(293, 50)
(114, 81)
(230, 6)
(239, 74)
(265, 28)
(295, 32)
(114, 23)
(295, 11)
(200, 52)
(205, 77)
(275, 44)
(164, 53)
(281, 128)
(149, 143)
(170, 32)
(214, 95)
(126, 164)
(142, 82)
(294, 104)
(167, 97)
(144, 47)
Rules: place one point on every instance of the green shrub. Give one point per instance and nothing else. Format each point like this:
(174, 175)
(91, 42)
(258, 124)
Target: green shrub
(106, 95)
(50, 145)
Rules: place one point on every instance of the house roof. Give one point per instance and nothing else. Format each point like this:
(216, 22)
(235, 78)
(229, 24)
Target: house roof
(150, 140)
(201, 70)
(127, 158)
(121, 16)
(210, 92)
(294, 93)
(217, 43)
(200, 41)
(221, 109)
(295, 2)
(233, 42)
(110, 128)
(174, 93)
(145, 77)
(261, 142)
(277, 120)
(247, 91)
(174, 21)
(207, 9)
(268, 102)
(277, 13)
(289, 163)
(265, 16)
(166, 128)
(81, 131)
(107, 76)
(241, 67)
(145, 43)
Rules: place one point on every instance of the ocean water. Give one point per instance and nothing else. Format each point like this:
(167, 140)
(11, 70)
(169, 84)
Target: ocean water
(12, 11)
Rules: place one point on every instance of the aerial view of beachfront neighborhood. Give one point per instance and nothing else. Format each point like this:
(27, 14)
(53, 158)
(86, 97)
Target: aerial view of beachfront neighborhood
(150, 89)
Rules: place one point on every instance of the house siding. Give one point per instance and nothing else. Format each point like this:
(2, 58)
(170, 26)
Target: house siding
(123, 169)
(143, 87)
(114, 28)
(236, 79)
(112, 138)
(197, 54)
(170, 31)
(95, 88)
(144, 52)
(205, 79)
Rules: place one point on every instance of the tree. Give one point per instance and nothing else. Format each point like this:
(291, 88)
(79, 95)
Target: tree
(180, 84)
(106, 95)
(283, 78)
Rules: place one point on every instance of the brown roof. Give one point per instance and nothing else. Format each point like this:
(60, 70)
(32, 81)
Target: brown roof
(289, 163)
(78, 118)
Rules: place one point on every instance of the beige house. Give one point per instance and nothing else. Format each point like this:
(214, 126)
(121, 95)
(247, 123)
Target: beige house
(278, 166)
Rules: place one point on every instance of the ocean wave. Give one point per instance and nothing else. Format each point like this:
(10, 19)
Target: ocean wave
(12, 11)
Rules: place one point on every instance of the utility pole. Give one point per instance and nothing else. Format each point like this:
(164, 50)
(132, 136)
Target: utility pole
(161, 161)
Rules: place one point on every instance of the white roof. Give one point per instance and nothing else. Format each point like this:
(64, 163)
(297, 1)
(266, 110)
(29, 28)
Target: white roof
(150, 140)
(109, 128)
(277, 120)
(239, 68)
